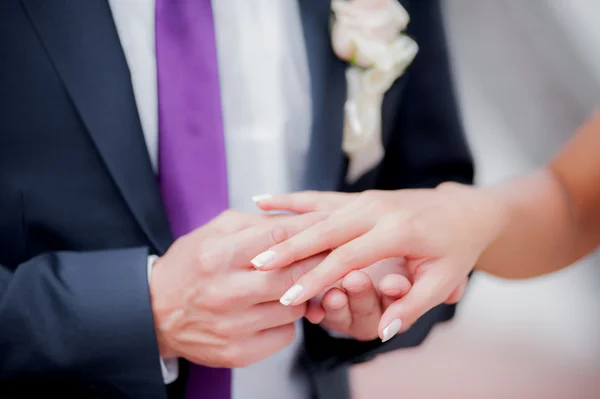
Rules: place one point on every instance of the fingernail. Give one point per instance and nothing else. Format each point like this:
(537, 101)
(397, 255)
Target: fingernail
(291, 295)
(258, 198)
(262, 259)
(391, 330)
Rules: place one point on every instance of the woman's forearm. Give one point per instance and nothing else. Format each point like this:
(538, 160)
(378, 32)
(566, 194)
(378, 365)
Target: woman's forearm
(552, 217)
(539, 232)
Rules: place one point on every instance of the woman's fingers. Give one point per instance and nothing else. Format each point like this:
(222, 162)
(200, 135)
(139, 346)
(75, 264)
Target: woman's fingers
(356, 254)
(303, 202)
(337, 311)
(429, 290)
(330, 233)
(396, 286)
(458, 293)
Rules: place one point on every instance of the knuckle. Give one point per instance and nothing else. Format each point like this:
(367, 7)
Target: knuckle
(375, 200)
(415, 228)
(225, 328)
(208, 259)
(324, 232)
(288, 250)
(219, 230)
(401, 218)
(218, 300)
(238, 288)
(278, 234)
(412, 227)
(343, 256)
(228, 222)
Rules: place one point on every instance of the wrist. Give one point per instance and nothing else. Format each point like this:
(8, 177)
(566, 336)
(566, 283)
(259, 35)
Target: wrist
(163, 314)
(484, 213)
(496, 213)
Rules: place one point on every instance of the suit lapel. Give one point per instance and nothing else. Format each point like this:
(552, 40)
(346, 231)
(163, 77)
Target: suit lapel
(328, 91)
(82, 42)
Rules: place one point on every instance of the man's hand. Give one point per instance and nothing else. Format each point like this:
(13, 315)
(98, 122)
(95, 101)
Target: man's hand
(210, 305)
(355, 307)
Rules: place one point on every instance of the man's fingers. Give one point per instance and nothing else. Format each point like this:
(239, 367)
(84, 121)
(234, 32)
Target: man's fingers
(330, 233)
(393, 287)
(232, 221)
(303, 202)
(364, 303)
(357, 254)
(271, 314)
(430, 289)
(257, 318)
(362, 296)
(337, 312)
(314, 311)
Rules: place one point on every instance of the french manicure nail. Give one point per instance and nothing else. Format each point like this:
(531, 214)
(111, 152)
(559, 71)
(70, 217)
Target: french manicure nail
(391, 330)
(262, 259)
(291, 295)
(258, 198)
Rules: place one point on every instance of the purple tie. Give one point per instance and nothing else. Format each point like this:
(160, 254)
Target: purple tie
(192, 166)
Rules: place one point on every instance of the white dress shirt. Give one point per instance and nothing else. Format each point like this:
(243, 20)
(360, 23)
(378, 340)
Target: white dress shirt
(265, 95)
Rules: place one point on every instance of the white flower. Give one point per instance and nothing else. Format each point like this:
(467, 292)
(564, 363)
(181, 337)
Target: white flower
(364, 31)
(368, 35)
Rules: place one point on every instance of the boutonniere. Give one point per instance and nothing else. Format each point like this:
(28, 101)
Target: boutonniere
(368, 35)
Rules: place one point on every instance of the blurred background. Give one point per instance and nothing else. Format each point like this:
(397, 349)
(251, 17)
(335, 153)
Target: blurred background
(527, 74)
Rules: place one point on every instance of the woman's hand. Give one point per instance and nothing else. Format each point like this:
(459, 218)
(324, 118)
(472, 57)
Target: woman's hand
(441, 233)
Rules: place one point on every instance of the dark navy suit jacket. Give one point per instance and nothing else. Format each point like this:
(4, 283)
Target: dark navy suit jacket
(80, 208)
